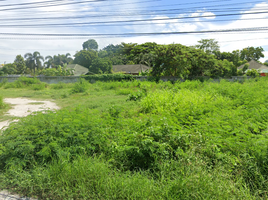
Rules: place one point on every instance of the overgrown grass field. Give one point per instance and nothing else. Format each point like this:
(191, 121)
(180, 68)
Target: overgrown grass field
(139, 140)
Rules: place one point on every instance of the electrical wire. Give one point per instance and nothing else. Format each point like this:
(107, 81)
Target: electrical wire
(127, 21)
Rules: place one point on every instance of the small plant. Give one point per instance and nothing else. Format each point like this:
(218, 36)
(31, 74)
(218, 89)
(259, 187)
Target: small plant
(80, 86)
(3, 82)
(39, 86)
(58, 86)
(2, 104)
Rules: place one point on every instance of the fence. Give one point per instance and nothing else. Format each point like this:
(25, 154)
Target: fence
(73, 79)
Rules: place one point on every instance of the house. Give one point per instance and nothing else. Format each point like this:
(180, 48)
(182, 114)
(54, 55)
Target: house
(263, 69)
(131, 69)
(77, 69)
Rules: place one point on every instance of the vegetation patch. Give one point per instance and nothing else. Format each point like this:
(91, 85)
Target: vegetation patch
(182, 140)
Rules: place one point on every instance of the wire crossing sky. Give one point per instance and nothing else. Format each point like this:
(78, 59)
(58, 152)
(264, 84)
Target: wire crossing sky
(60, 27)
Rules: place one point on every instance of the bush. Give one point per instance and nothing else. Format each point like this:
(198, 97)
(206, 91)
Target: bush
(253, 73)
(22, 82)
(80, 86)
(39, 86)
(109, 77)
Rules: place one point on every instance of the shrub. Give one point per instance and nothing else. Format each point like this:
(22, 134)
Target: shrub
(39, 86)
(109, 77)
(80, 86)
(22, 82)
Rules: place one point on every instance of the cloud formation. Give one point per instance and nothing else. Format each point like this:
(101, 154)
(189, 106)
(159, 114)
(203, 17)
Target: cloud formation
(157, 22)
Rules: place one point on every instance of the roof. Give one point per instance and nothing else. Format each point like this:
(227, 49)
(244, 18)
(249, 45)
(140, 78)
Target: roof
(78, 69)
(130, 68)
(255, 65)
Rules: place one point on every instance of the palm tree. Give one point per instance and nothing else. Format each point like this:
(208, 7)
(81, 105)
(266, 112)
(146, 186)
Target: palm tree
(68, 58)
(50, 62)
(33, 61)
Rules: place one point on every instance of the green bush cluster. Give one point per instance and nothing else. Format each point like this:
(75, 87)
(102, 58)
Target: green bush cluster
(23, 82)
(109, 77)
(80, 86)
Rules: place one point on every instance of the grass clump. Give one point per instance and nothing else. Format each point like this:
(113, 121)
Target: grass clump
(80, 86)
(22, 82)
(2, 104)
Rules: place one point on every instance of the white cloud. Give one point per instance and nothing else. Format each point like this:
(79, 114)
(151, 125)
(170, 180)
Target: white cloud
(10, 48)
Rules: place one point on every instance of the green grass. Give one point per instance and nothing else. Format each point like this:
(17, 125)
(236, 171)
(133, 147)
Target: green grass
(140, 140)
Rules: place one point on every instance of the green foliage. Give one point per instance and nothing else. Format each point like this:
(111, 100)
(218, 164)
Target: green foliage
(8, 69)
(186, 140)
(2, 104)
(184, 62)
(20, 64)
(208, 45)
(22, 82)
(33, 60)
(58, 60)
(252, 53)
(85, 57)
(59, 71)
(100, 66)
(245, 67)
(39, 86)
(80, 86)
(90, 44)
(253, 73)
(58, 86)
(109, 77)
(3, 82)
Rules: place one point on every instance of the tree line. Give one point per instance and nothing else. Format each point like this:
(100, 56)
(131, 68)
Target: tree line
(203, 59)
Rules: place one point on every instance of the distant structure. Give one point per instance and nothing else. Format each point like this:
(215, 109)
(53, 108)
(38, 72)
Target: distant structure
(263, 69)
(77, 69)
(131, 69)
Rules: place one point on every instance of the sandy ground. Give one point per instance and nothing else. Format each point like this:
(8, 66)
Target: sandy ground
(22, 107)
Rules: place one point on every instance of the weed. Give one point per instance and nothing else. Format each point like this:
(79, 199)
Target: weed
(80, 86)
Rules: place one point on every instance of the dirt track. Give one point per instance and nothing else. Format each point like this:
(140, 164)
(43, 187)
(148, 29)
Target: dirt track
(22, 107)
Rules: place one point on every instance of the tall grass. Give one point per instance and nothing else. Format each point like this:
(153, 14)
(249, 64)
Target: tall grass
(191, 140)
(2, 104)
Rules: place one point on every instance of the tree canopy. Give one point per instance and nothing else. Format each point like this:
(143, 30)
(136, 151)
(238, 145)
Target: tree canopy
(85, 57)
(208, 45)
(90, 44)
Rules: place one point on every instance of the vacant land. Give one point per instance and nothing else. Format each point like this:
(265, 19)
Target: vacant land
(139, 140)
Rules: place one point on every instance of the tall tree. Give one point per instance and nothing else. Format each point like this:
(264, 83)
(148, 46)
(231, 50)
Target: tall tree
(20, 64)
(90, 44)
(49, 62)
(85, 57)
(33, 61)
(208, 45)
(251, 53)
(100, 66)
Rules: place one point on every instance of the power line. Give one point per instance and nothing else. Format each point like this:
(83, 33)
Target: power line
(155, 23)
(98, 1)
(264, 10)
(253, 29)
(127, 21)
(22, 4)
(63, 4)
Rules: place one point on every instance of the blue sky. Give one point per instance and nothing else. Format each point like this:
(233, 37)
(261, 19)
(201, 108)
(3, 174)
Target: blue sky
(126, 16)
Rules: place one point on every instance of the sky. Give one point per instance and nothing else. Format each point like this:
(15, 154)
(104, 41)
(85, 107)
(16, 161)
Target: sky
(60, 27)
